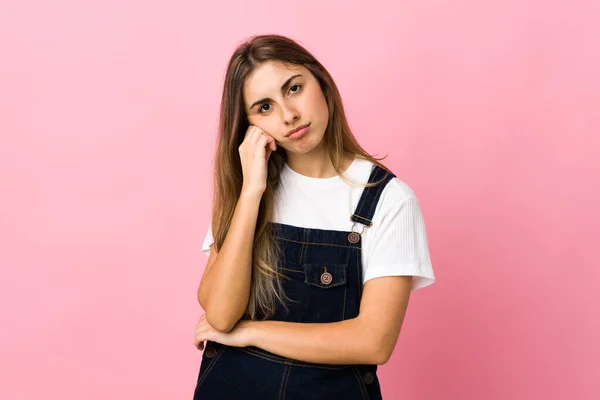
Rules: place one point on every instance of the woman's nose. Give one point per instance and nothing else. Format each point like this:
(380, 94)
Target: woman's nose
(290, 115)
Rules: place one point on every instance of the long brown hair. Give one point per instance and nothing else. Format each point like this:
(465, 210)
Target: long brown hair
(266, 282)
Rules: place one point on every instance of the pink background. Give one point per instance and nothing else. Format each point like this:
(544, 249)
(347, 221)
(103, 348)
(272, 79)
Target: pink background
(108, 114)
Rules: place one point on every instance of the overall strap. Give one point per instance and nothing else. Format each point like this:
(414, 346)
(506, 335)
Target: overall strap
(370, 196)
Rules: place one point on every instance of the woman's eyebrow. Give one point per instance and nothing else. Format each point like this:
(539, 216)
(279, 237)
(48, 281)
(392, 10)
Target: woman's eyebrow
(283, 89)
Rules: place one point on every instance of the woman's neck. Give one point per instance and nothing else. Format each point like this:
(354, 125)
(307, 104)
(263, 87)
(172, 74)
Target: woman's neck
(316, 165)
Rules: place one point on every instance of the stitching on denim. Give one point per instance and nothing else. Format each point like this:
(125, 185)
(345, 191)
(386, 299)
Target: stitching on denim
(344, 307)
(263, 356)
(211, 365)
(303, 249)
(360, 278)
(325, 286)
(317, 244)
(359, 217)
(286, 381)
(344, 280)
(282, 386)
(375, 179)
(291, 270)
(363, 200)
(281, 382)
(361, 385)
(376, 199)
(290, 362)
(365, 194)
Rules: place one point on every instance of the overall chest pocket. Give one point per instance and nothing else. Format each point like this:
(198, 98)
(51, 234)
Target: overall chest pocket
(325, 276)
(318, 292)
(325, 292)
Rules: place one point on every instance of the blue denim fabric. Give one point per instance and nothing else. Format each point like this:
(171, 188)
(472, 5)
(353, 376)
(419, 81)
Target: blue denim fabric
(324, 272)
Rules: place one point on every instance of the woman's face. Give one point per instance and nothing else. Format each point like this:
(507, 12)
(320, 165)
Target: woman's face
(281, 98)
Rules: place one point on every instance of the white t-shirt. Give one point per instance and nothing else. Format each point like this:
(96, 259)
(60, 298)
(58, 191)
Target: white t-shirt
(396, 243)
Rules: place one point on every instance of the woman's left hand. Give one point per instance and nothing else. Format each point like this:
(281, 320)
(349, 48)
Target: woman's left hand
(239, 336)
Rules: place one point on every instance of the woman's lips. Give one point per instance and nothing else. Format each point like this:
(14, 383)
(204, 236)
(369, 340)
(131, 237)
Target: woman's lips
(299, 133)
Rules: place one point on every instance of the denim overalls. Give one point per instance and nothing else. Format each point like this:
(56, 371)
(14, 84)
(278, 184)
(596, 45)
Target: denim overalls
(325, 284)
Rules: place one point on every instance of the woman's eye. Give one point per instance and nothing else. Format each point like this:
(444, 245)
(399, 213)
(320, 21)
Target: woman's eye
(262, 110)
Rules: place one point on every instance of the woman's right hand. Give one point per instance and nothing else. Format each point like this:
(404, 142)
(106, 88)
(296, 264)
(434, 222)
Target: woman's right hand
(255, 151)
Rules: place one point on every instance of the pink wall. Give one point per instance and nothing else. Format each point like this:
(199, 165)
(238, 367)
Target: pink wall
(489, 110)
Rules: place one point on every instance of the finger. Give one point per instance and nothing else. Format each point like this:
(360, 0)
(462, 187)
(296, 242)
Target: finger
(251, 134)
(263, 139)
(270, 146)
(269, 138)
(250, 129)
(258, 135)
(270, 142)
(263, 142)
(260, 132)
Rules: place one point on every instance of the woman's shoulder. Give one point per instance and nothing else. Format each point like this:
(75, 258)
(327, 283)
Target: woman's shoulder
(399, 190)
(396, 190)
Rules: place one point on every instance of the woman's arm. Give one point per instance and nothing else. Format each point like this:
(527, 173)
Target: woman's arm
(224, 290)
(344, 342)
(369, 338)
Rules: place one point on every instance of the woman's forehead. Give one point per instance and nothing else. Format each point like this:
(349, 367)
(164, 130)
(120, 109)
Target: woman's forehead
(268, 77)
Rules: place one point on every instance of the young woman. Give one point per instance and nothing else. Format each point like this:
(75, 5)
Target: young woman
(314, 245)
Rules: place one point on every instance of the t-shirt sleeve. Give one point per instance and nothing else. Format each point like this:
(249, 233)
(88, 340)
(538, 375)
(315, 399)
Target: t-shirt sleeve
(208, 241)
(399, 245)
